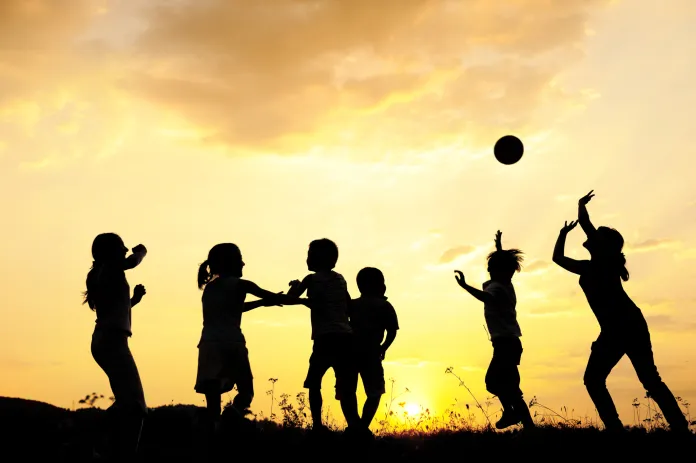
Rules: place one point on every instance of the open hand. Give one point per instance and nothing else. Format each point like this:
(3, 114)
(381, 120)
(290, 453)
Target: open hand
(498, 241)
(139, 292)
(139, 248)
(459, 276)
(569, 226)
(586, 199)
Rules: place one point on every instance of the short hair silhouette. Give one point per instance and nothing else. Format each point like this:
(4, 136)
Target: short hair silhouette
(106, 247)
(371, 281)
(323, 253)
(505, 261)
(608, 248)
(223, 259)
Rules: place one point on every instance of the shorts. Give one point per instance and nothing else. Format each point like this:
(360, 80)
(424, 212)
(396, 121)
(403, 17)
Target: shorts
(332, 351)
(221, 366)
(368, 365)
(507, 350)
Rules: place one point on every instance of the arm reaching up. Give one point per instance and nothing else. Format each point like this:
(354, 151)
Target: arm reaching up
(584, 216)
(559, 257)
(498, 241)
(483, 296)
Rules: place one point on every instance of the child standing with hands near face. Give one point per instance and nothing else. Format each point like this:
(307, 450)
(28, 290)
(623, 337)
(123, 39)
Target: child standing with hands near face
(108, 294)
(498, 296)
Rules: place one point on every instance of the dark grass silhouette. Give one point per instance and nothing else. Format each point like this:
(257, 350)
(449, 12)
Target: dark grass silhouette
(33, 430)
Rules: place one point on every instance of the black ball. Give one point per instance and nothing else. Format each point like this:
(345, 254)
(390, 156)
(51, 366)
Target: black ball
(508, 149)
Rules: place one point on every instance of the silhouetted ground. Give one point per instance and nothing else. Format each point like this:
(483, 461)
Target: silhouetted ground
(35, 431)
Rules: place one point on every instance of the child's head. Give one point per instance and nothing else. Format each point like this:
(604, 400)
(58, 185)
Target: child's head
(502, 264)
(224, 259)
(606, 246)
(371, 282)
(108, 248)
(322, 255)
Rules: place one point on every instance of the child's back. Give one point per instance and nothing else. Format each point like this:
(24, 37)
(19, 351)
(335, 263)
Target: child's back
(370, 318)
(501, 316)
(223, 305)
(328, 292)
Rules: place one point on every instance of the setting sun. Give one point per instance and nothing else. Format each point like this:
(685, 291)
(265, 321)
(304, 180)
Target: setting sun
(412, 409)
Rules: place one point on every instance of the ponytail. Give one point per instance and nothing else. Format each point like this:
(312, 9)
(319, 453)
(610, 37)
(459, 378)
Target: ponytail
(204, 275)
(91, 283)
(623, 271)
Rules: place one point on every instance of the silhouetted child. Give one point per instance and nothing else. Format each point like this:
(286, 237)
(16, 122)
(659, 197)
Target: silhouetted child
(331, 332)
(371, 316)
(108, 294)
(223, 359)
(498, 296)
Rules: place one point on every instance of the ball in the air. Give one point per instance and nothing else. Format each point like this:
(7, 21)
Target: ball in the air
(508, 149)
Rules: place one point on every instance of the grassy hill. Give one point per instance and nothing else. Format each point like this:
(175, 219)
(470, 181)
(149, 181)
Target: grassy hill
(35, 431)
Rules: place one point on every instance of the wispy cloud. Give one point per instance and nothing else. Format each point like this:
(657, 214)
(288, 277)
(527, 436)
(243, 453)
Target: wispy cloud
(652, 244)
(453, 254)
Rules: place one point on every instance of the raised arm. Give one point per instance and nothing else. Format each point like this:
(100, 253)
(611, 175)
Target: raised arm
(498, 241)
(559, 257)
(584, 216)
(483, 296)
(132, 261)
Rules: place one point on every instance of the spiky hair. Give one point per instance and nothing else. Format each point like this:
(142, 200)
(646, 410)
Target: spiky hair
(509, 260)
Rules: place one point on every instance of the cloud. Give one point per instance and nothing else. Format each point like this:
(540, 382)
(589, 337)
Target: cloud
(453, 254)
(409, 75)
(662, 322)
(652, 244)
(537, 266)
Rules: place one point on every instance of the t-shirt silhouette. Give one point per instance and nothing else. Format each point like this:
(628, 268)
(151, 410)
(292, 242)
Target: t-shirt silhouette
(501, 315)
(329, 293)
(370, 317)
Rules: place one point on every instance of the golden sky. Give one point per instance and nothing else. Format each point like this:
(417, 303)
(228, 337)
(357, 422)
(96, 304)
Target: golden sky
(183, 124)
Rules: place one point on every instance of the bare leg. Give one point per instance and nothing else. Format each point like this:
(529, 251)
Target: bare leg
(370, 410)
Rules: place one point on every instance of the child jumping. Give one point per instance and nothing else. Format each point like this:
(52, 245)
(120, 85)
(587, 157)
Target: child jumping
(498, 296)
(108, 294)
(223, 359)
(328, 296)
(371, 315)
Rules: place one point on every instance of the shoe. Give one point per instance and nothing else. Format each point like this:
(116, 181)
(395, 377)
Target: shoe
(508, 419)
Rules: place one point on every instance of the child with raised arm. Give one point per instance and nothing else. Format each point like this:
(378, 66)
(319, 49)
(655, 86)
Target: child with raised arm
(328, 296)
(108, 294)
(623, 328)
(223, 359)
(371, 317)
(500, 301)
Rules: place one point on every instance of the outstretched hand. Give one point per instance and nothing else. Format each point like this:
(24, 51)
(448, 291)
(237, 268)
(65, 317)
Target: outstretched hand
(498, 241)
(586, 199)
(569, 226)
(459, 276)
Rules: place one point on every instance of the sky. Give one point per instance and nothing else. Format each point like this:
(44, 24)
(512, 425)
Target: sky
(183, 124)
